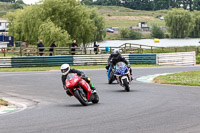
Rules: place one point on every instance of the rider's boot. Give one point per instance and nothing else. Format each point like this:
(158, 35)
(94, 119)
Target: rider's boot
(92, 88)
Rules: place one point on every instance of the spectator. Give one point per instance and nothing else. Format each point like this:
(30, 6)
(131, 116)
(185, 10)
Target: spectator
(73, 49)
(51, 49)
(40, 47)
(96, 47)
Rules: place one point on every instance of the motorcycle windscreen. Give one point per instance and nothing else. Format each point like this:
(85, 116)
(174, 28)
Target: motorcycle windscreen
(72, 80)
(121, 68)
(70, 76)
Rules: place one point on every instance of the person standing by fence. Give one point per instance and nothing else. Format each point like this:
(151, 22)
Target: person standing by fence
(40, 48)
(96, 47)
(73, 49)
(52, 48)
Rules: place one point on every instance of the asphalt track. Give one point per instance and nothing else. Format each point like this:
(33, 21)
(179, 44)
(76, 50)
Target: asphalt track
(147, 108)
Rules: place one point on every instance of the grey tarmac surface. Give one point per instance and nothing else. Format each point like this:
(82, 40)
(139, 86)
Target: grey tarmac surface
(147, 108)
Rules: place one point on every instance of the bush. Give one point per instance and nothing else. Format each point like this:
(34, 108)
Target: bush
(135, 35)
(124, 33)
(156, 32)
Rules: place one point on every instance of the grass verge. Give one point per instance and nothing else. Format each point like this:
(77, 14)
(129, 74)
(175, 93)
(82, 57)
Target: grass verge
(3, 102)
(190, 78)
(24, 69)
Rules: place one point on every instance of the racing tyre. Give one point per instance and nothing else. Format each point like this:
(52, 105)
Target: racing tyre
(126, 85)
(81, 97)
(111, 78)
(96, 98)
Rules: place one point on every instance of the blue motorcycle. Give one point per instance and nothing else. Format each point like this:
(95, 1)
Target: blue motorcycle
(123, 76)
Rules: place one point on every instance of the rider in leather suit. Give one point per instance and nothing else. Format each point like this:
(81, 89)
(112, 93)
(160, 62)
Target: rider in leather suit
(65, 69)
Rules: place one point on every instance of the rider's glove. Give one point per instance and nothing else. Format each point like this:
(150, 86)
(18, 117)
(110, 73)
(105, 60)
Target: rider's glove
(83, 75)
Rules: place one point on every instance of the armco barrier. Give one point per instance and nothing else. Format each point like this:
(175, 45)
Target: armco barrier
(93, 59)
(142, 58)
(5, 62)
(179, 58)
(31, 61)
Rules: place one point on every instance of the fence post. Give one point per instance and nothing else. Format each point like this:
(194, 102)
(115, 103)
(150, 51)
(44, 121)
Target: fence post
(151, 49)
(53, 51)
(163, 49)
(175, 49)
(4, 52)
(85, 50)
(20, 50)
(37, 51)
(197, 51)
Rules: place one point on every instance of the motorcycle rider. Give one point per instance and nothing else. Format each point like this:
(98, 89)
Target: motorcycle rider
(65, 69)
(116, 57)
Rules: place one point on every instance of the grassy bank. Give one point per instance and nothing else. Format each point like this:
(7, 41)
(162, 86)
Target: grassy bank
(3, 102)
(5, 7)
(124, 17)
(25, 69)
(190, 78)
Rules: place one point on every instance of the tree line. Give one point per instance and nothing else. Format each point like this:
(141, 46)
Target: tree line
(56, 20)
(148, 4)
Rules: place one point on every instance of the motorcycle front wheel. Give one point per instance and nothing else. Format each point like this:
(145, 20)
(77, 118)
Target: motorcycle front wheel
(96, 98)
(81, 97)
(111, 78)
(126, 85)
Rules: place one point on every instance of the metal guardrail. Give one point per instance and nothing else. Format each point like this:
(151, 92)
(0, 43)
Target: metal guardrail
(179, 58)
(34, 61)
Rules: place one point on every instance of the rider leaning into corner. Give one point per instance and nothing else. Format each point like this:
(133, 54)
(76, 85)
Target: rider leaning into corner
(116, 57)
(65, 69)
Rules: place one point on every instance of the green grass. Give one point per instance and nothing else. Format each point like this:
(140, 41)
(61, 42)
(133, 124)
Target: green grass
(3, 102)
(134, 16)
(5, 7)
(190, 78)
(24, 69)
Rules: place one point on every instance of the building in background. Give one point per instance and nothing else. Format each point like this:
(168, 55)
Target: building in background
(4, 25)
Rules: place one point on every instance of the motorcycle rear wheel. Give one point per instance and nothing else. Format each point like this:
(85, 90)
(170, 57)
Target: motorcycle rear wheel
(82, 99)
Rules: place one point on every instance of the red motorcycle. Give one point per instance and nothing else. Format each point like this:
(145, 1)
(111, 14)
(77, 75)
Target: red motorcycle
(81, 89)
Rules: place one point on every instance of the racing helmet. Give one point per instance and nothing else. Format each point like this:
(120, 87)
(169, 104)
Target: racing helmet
(116, 53)
(65, 68)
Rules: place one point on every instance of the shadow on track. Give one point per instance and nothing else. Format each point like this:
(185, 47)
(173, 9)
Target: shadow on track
(120, 91)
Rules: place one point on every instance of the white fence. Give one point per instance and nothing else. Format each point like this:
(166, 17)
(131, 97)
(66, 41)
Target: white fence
(179, 58)
(93, 59)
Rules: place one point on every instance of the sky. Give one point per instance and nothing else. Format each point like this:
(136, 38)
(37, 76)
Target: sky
(30, 1)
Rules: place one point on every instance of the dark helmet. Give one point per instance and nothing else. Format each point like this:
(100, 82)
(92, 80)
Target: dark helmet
(116, 53)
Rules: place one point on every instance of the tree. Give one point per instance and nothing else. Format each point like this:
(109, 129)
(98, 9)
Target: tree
(68, 16)
(196, 5)
(196, 31)
(124, 33)
(11, 1)
(99, 32)
(49, 32)
(20, 2)
(135, 35)
(180, 23)
(156, 32)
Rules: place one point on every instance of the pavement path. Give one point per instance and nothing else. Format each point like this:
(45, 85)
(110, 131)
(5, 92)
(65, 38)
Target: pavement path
(147, 108)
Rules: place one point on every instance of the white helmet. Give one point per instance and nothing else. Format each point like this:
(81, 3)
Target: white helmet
(65, 68)
(116, 51)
